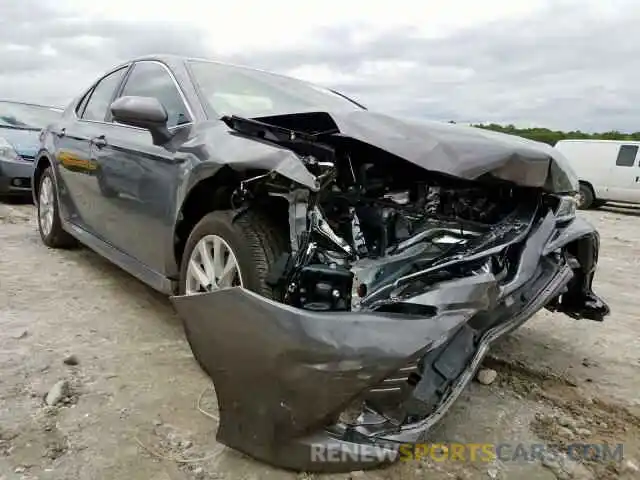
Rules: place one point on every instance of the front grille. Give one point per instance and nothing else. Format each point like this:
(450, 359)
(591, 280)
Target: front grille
(27, 158)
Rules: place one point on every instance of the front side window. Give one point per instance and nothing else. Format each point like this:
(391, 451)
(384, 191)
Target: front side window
(151, 79)
(100, 99)
(627, 155)
(233, 90)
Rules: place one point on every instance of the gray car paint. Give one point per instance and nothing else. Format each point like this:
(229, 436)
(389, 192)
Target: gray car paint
(282, 374)
(24, 138)
(201, 149)
(306, 366)
(24, 141)
(451, 149)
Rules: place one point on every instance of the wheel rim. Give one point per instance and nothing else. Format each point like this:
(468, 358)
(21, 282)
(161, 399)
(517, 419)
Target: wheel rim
(45, 206)
(580, 199)
(212, 266)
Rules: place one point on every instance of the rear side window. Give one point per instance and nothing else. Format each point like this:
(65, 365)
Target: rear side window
(627, 155)
(83, 103)
(100, 99)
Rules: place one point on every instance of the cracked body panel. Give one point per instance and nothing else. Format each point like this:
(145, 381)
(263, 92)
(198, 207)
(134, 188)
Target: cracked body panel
(340, 273)
(391, 292)
(283, 375)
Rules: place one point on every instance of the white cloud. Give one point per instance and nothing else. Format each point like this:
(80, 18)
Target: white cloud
(558, 63)
(233, 26)
(322, 74)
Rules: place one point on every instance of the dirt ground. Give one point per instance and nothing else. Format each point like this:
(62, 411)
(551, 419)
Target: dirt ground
(130, 405)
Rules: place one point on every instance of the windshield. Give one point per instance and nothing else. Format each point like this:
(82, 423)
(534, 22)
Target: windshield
(22, 115)
(232, 90)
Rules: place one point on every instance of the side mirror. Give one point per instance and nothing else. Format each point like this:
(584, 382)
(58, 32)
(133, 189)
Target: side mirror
(143, 112)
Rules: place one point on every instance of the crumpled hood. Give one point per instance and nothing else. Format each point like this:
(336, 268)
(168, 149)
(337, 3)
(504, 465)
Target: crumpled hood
(460, 151)
(24, 142)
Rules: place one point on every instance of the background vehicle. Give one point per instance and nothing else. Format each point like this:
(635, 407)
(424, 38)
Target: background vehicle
(608, 170)
(20, 125)
(327, 260)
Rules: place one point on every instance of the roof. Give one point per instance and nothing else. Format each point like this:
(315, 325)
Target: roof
(172, 60)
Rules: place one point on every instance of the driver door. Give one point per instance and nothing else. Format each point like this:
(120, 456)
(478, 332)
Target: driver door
(77, 169)
(140, 179)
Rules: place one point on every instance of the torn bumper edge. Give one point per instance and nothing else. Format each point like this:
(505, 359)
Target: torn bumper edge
(283, 375)
(281, 390)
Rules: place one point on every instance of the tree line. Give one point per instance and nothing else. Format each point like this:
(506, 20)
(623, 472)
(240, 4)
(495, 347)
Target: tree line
(552, 136)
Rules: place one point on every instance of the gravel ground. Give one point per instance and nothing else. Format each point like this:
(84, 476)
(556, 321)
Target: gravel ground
(130, 387)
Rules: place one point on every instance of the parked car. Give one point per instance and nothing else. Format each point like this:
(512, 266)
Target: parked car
(608, 170)
(340, 273)
(20, 125)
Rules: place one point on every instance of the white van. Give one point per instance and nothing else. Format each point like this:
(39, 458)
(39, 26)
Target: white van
(608, 170)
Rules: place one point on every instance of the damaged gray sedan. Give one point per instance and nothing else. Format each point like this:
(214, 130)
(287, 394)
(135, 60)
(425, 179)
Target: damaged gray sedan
(340, 273)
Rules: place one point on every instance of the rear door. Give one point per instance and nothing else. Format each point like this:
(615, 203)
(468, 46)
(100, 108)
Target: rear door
(139, 179)
(624, 185)
(73, 139)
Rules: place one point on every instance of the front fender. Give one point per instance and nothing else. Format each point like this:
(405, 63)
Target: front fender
(38, 167)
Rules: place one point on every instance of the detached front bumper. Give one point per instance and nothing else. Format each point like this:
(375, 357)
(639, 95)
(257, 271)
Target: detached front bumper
(283, 374)
(284, 377)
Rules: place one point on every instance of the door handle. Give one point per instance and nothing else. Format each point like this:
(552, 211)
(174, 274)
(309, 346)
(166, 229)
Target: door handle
(100, 141)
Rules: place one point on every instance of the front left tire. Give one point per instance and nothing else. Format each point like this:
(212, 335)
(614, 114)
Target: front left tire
(49, 224)
(226, 251)
(223, 251)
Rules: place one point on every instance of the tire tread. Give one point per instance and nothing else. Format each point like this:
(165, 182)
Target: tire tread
(262, 240)
(266, 247)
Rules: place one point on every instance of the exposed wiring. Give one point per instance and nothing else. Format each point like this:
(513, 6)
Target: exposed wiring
(178, 459)
(173, 458)
(200, 409)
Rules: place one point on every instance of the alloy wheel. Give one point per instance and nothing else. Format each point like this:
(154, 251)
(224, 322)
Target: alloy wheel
(213, 265)
(45, 206)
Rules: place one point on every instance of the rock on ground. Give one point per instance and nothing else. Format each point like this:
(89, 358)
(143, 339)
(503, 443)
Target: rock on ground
(487, 376)
(57, 393)
(71, 360)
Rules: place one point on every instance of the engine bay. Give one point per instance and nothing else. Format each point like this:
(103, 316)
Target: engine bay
(405, 250)
(374, 222)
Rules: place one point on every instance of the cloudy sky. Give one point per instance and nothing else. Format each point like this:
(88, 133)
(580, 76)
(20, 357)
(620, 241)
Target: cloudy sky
(556, 63)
